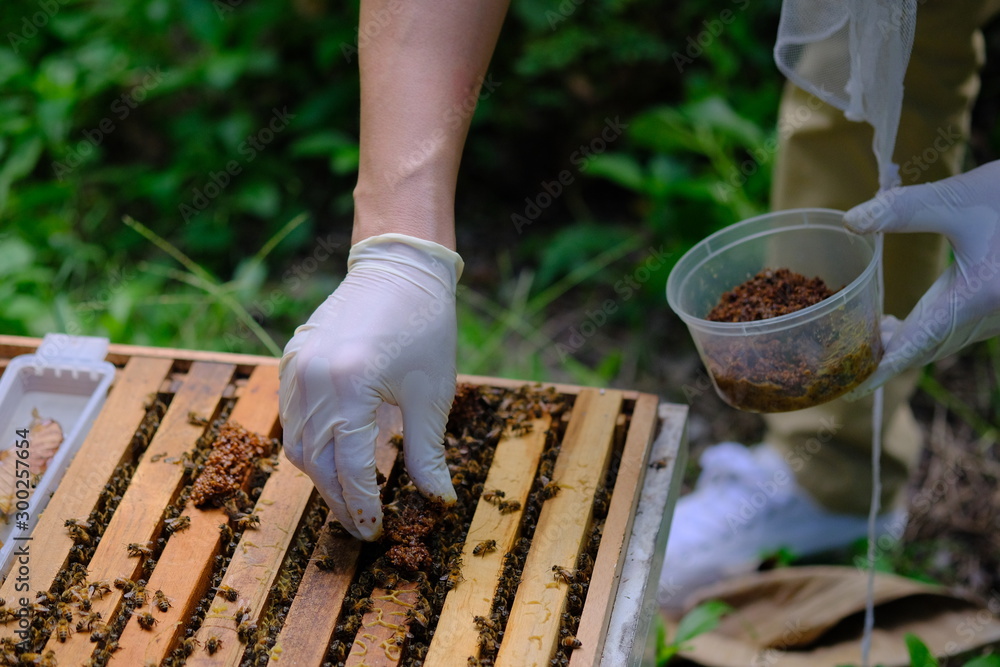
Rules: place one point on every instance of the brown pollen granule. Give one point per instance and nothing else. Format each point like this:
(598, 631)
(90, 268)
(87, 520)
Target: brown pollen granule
(771, 293)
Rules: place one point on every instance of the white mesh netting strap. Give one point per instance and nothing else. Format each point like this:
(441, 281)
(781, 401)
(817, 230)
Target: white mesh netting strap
(852, 54)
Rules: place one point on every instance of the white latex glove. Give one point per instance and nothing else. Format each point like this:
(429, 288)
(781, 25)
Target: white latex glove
(963, 305)
(387, 333)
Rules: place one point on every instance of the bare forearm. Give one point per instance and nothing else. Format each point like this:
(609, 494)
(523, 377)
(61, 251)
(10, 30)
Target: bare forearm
(421, 73)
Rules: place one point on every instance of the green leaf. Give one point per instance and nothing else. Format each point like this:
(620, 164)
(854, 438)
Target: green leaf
(320, 143)
(992, 660)
(10, 66)
(920, 655)
(261, 199)
(703, 618)
(716, 113)
(618, 168)
(21, 160)
(17, 256)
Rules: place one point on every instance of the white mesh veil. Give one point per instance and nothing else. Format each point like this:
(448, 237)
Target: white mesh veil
(852, 54)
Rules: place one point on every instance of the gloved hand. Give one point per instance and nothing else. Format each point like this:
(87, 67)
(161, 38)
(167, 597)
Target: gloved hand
(963, 305)
(387, 333)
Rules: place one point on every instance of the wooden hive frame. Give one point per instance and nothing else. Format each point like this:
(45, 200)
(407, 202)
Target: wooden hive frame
(603, 428)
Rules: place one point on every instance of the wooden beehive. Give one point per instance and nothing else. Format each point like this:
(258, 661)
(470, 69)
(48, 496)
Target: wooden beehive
(292, 574)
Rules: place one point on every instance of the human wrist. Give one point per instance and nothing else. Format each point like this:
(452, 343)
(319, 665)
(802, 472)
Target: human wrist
(420, 213)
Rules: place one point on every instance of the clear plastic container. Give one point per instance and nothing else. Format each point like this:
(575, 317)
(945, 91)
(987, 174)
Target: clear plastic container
(797, 360)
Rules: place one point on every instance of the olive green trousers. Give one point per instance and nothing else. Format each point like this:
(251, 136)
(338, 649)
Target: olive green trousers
(824, 160)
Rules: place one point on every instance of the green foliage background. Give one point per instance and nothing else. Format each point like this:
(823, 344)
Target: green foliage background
(203, 76)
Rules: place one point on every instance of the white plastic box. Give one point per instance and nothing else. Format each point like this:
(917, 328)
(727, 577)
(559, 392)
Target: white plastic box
(66, 380)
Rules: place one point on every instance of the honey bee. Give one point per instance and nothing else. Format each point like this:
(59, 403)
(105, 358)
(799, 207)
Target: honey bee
(228, 593)
(353, 622)
(99, 633)
(124, 584)
(326, 563)
(283, 590)
(45, 597)
(245, 631)
(227, 532)
(247, 521)
(136, 549)
(485, 547)
(232, 508)
(161, 601)
(595, 539)
(137, 593)
(63, 630)
(560, 573)
(338, 651)
(508, 506)
(78, 554)
(98, 589)
(213, 644)
(145, 619)
(38, 609)
(570, 642)
(242, 614)
(494, 496)
(88, 621)
(550, 490)
(177, 524)
(602, 499)
(148, 565)
(80, 536)
(452, 579)
(188, 646)
(416, 616)
(63, 610)
(483, 622)
(197, 420)
(385, 578)
(263, 645)
(362, 606)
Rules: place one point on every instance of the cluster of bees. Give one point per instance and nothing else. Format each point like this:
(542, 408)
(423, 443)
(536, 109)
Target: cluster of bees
(478, 418)
(260, 638)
